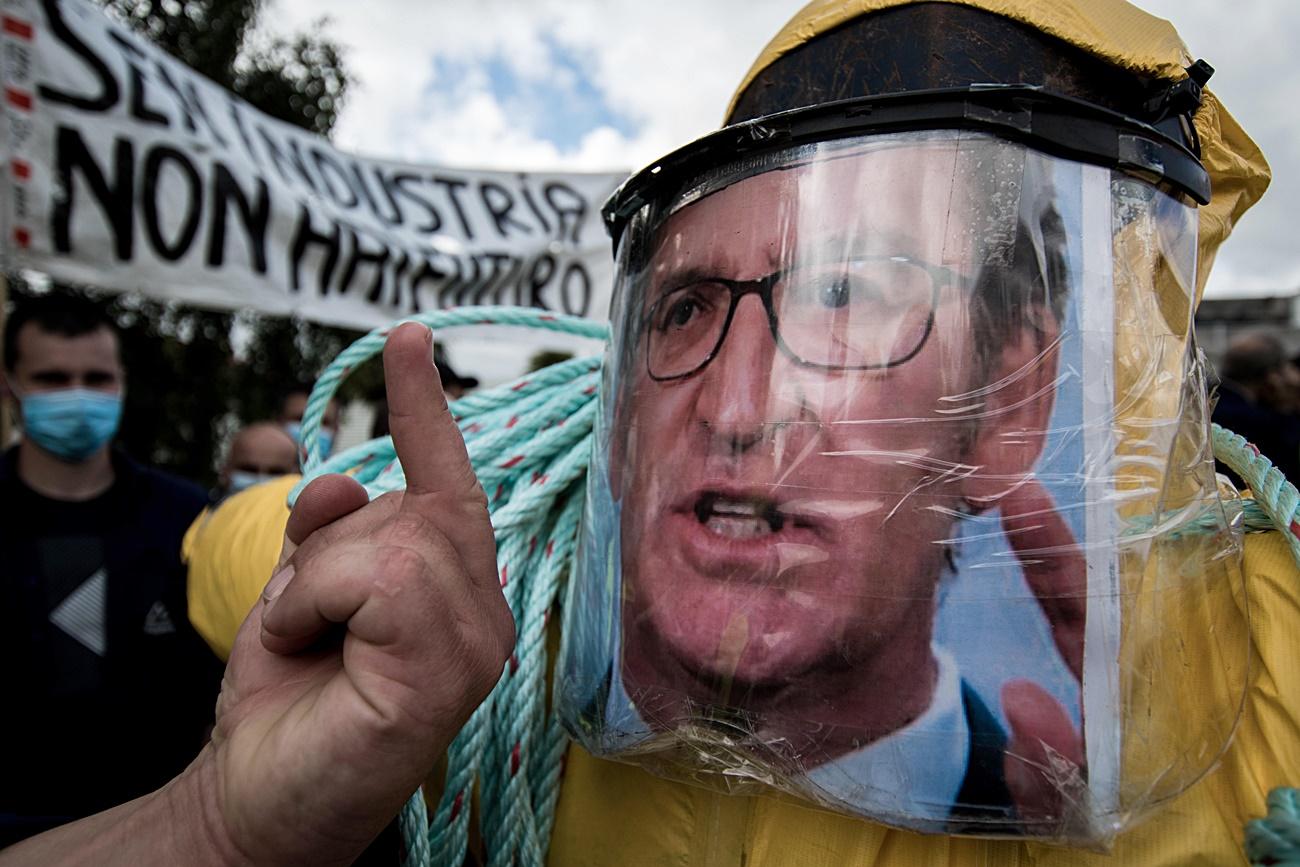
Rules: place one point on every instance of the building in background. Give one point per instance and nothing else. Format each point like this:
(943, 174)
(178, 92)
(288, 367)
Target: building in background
(1218, 320)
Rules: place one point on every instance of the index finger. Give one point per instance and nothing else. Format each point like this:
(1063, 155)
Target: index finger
(425, 435)
(1053, 565)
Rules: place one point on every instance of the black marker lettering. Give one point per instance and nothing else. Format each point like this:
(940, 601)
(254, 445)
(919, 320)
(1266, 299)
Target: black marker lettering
(154, 163)
(326, 165)
(399, 272)
(116, 197)
(254, 216)
(402, 183)
(394, 216)
(575, 289)
(567, 213)
(108, 89)
(499, 204)
(293, 162)
(453, 187)
(532, 204)
(428, 271)
(187, 97)
(237, 118)
(360, 256)
(137, 99)
(539, 275)
(493, 275)
(306, 236)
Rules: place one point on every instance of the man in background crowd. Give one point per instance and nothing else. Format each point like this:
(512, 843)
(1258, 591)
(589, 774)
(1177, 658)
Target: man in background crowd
(108, 689)
(454, 386)
(258, 453)
(1258, 397)
(294, 407)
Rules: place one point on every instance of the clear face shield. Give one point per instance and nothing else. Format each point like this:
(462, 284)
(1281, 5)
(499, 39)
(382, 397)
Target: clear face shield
(881, 471)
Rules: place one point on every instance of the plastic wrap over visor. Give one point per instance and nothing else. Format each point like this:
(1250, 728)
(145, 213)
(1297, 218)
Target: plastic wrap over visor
(902, 501)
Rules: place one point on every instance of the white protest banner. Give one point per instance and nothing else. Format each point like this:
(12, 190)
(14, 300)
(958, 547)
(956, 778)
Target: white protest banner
(126, 170)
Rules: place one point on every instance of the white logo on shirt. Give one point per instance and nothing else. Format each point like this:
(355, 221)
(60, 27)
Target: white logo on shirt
(81, 614)
(158, 621)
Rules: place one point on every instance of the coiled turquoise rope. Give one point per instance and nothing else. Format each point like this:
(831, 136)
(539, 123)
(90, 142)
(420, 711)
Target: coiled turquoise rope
(1274, 839)
(530, 443)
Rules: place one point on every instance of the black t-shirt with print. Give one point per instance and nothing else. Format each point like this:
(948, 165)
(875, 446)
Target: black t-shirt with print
(108, 690)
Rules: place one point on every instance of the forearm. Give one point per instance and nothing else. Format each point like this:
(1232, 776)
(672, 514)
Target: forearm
(178, 824)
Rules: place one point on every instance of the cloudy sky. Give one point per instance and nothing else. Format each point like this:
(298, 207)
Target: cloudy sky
(612, 84)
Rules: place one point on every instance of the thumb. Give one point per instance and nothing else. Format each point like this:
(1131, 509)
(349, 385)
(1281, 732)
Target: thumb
(1044, 756)
(322, 502)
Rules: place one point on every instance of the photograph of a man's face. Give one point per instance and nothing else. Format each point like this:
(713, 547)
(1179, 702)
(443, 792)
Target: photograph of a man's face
(842, 483)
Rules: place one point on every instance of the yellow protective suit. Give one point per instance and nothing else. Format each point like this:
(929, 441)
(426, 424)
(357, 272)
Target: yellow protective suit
(615, 815)
(612, 814)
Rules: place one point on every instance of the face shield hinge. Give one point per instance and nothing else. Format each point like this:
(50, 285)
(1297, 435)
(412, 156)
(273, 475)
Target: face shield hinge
(1171, 107)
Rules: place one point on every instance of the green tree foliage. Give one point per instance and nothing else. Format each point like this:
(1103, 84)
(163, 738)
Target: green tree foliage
(299, 80)
(188, 389)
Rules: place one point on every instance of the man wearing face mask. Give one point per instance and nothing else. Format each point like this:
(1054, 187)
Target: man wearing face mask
(109, 690)
(258, 453)
(292, 409)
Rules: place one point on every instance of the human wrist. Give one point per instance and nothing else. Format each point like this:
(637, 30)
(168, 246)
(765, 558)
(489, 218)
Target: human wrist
(181, 823)
(191, 805)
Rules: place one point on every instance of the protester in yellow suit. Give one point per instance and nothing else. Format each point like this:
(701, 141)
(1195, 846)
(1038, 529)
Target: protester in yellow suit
(314, 753)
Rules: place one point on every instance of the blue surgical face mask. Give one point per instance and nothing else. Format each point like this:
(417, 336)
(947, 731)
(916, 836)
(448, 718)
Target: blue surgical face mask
(71, 423)
(294, 429)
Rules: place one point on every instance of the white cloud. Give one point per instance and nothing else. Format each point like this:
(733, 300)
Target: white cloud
(669, 67)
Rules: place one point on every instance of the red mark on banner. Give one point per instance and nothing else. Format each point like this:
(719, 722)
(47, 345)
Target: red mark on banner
(514, 663)
(512, 462)
(18, 98)
(519, 385)
(455, 807)
(532, 546)
(550, 548)
(503, 574)
(591, 389)
(514, 420)
(22, 237)
(547, 318)
(501, 489)
(514, 760)
(1295, 529)
(14, 27)
(474, 428)
(539, 477)
(1254, 448)
(21, 168)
